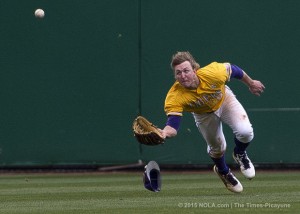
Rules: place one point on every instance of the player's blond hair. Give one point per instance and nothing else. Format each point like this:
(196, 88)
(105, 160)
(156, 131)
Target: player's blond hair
(181, 57)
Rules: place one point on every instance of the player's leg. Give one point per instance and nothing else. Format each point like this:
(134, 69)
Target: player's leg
(210, 127)
(234, 114)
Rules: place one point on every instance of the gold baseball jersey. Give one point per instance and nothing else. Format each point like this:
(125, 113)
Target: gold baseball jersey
(209, 95)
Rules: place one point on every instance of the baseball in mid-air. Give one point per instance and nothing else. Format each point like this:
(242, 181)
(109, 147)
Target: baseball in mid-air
(39, 13)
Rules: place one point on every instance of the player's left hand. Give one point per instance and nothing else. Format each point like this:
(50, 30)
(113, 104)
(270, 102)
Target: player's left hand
(256, 87)
(163, 133)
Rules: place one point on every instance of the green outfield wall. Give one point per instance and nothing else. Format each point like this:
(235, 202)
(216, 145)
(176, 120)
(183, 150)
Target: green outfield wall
(72, 83)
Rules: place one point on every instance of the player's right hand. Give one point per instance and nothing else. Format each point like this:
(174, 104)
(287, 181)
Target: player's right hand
(256, 87)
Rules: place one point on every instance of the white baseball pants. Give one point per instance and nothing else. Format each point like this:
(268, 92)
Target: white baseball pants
(231, 113)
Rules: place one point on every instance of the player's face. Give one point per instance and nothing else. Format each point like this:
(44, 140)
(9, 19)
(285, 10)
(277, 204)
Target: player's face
(186, 75)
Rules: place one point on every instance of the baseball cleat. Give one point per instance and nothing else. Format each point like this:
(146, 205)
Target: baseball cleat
(245, 164)
(230, 181)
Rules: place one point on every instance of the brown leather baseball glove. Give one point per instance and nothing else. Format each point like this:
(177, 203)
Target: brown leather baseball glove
(146, 133)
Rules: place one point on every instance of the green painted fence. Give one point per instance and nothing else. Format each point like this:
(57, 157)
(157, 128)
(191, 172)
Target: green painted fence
(72, 83)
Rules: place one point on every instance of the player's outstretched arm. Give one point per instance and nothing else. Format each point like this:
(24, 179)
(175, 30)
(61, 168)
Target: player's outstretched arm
(255, 86)
(168, 132)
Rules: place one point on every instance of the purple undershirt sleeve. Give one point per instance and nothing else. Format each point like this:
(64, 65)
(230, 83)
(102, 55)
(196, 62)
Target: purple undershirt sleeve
(174, 121)
(237, 72)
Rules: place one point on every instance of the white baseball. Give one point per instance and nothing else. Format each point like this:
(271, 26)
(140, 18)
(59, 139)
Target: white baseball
(39, 13)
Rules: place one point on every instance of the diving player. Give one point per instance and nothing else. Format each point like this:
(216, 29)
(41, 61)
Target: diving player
(204, 93)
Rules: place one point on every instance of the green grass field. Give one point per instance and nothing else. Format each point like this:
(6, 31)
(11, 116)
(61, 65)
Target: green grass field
(184, 192)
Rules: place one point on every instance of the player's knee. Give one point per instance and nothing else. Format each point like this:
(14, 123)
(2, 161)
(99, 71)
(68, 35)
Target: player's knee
(245, 134)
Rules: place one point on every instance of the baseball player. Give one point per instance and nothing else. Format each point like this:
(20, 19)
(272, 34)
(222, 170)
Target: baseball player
(204, 93)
